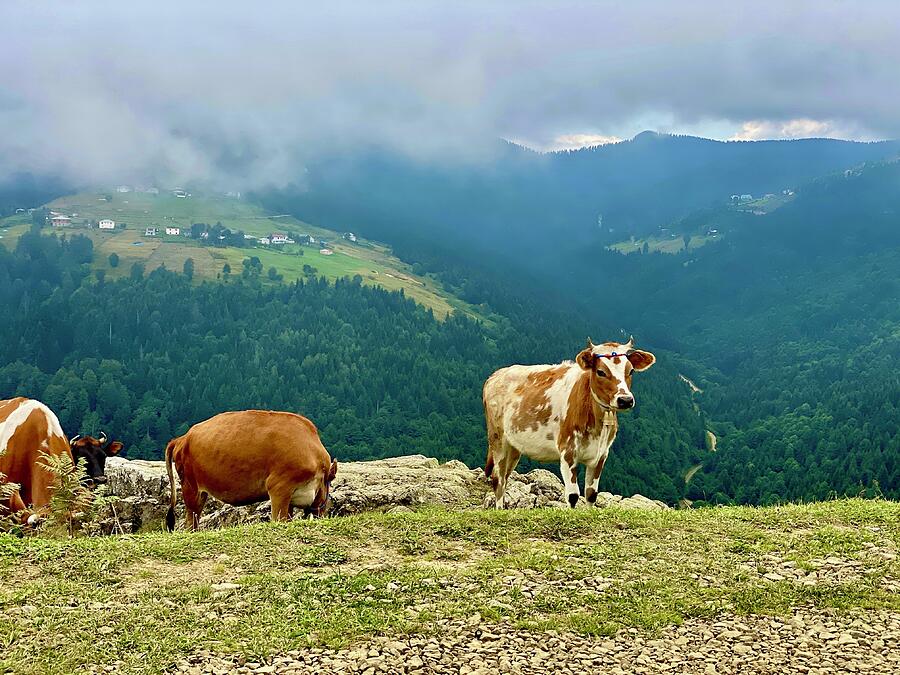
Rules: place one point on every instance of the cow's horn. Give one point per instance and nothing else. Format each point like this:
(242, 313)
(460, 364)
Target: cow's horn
(630, 343)
(74, 439)
(590, 343)
(103, 438)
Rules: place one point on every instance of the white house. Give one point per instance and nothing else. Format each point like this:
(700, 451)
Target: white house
(326, 251)
(173, 231)
(151, 232)
(278, 238)
(107, 224)
(265, 241)
(59, 220)
(349, 236)
(123, 188)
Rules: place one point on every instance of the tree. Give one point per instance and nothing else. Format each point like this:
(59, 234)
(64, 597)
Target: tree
(646, 249)
(273, 274)
(137, 271)
(101, 276)
(189, 268)
(252, 267)
(687, 241)
(226, 270)
(114, 260)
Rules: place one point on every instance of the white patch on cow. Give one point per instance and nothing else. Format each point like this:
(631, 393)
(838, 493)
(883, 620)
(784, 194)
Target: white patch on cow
(305, 493)
(18, 417)
(617, 370)
(541, 443)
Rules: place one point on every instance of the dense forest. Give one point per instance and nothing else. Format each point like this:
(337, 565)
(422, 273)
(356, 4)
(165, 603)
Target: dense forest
(148, 355)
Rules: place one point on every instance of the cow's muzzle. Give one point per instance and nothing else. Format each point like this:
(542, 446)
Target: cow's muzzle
(625, 402)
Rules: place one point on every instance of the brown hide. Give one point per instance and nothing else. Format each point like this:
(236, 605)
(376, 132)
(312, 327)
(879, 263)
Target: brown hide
(20, 463)
(249, 456)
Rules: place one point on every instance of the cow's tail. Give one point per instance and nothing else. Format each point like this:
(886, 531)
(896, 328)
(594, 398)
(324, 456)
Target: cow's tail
(489, 464)
(170, 515)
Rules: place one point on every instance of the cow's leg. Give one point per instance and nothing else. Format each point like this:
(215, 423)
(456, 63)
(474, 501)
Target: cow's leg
(194, 501)
(569, 471)
(281, 506)
(509, 458)
(281, 493)
(592, 478)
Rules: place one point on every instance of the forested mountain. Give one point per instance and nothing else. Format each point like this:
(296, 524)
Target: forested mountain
(522, 204)
(146, 356)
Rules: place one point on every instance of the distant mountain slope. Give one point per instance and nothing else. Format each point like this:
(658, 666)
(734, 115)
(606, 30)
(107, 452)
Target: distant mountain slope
(519, 201)
(796, 318)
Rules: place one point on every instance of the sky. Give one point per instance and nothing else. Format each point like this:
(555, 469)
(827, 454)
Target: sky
(244, 94)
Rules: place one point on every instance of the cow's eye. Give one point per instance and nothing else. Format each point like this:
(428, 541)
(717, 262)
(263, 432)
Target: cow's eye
(601, 373)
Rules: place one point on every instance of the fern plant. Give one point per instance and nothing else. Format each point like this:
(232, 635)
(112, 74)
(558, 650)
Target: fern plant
(73, 507)
(9, 520)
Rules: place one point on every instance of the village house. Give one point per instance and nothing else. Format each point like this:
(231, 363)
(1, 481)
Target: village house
(59, 220)
(173, 231)
(278, 238)
(326, 251)
(107, 224)
(349, 236)
(265, 241)
(151, 232)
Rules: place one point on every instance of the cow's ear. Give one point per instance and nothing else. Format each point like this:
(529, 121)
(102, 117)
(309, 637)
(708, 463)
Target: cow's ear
(333, 471)
(114, 448)
(586, 359)
(641, 360)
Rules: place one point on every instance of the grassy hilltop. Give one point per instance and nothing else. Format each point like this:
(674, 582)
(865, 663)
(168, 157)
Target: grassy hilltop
(137, 211)
(147, 602)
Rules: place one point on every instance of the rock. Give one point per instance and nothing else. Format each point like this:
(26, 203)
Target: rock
(394, 485)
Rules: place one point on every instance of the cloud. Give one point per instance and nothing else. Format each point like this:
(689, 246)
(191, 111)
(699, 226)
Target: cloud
(575, 141)
(244, 95)
(755, 130)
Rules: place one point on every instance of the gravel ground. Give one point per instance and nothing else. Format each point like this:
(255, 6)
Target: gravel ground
(812, 642)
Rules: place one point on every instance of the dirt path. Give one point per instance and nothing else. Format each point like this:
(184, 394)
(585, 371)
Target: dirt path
(694, 388)
(712, 440)
(808, 641)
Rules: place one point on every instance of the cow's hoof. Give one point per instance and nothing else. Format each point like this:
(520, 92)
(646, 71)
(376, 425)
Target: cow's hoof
(591, 495)
(573, 500)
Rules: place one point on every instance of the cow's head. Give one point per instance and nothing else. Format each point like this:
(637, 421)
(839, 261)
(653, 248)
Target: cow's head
(611, 365)
(94, 452)
(322, 502)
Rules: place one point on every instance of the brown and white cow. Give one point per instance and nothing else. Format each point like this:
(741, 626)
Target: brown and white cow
(565, 413)
(250, 456)
(29, 429)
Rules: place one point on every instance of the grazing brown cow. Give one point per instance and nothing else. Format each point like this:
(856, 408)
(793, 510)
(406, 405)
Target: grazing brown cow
(246, 457)
(28, 429)
(564, 413)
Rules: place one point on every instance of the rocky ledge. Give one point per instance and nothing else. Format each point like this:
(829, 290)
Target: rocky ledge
(141, 489)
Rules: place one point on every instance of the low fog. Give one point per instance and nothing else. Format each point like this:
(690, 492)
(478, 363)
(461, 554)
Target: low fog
(241, 95)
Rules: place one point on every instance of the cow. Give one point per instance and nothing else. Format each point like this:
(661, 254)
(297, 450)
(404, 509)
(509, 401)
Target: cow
(565, 413)
(29, 429)
(248, 456)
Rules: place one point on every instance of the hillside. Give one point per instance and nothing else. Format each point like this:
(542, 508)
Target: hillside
(137, 211)
(789, 589)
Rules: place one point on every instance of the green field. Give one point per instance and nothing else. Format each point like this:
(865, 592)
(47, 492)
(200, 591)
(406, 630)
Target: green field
(142, 603)
(661, 244)
(137, 211)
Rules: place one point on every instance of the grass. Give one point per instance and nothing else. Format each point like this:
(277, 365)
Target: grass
(371, 260)
(660, 244)
(145, 601)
